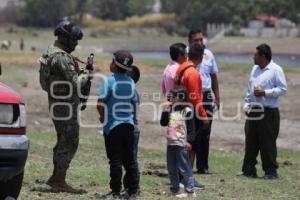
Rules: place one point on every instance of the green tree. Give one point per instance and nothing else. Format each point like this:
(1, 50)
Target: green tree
(198, 13)
(80, 8)
(111, 9)
(139, 7)
(285, 9)
(46, 13)
(12, 13)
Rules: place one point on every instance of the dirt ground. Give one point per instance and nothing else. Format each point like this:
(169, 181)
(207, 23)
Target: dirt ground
(227, 131)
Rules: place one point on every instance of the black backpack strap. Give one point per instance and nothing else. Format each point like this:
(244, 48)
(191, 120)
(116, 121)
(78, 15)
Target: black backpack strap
(181, 74)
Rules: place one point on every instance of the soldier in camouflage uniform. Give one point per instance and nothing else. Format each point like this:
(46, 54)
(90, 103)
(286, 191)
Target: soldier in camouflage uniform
(64, 101)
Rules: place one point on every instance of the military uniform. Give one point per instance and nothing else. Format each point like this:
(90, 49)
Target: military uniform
(64, 104)
(62, 79)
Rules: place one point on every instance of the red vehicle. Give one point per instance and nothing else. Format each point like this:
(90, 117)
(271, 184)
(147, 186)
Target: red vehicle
(14, 143)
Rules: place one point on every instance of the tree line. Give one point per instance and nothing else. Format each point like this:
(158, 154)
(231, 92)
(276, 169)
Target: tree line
(190, 13)
(45, 13)
(197, 13)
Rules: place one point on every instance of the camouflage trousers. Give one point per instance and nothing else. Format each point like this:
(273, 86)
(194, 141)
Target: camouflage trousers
(67, 144)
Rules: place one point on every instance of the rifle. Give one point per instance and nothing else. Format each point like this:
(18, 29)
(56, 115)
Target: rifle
(85, 90)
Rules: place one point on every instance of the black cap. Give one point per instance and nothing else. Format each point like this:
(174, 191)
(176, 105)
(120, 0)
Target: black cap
(123, 59)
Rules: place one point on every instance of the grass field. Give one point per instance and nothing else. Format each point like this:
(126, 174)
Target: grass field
(89, 170)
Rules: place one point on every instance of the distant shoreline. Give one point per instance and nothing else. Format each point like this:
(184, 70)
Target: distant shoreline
(246, 45)
(292, 60)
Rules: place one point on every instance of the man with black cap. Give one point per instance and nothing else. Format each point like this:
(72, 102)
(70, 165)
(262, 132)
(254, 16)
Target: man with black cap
(59, 77)
(116, 94)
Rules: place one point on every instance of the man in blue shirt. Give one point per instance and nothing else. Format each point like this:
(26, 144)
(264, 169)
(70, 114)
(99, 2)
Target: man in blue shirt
(267, 82)
(208, 70)
(116, 94)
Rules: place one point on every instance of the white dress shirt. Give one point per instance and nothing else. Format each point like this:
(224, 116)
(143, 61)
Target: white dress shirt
(272, 80)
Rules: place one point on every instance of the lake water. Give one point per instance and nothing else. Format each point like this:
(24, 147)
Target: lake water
(283, 60)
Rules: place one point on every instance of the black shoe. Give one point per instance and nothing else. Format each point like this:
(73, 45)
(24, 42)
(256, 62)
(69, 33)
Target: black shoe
(124, 192)
(248, 175)
(134, 196)
(111, 196)
(199, 186)
(270, 176)
(204, 171)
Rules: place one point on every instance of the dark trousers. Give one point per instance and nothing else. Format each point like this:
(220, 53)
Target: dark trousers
(136, 137)
(201, 144)
(261, 137)
(67, 131)
(119, 150)
(66, 145)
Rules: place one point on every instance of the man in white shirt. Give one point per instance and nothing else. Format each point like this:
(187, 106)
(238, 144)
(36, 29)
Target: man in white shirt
(208, 70)
(267, 82)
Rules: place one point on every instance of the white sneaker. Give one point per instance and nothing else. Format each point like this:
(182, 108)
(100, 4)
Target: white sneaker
(181, 185)
(186, 195)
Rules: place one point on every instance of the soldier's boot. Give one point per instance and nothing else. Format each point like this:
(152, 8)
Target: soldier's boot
(57, 182)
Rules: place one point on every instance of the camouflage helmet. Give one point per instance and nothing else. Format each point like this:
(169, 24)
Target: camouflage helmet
(69, 30)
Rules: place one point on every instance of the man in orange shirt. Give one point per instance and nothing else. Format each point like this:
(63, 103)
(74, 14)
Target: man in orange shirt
(208, 71)
(191, 80)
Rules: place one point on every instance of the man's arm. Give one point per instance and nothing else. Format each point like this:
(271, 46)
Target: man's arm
(193, 84)
(163, 87)
(168, 82)
(165, 115)
(190, 127)
(280, 85)
(135, 103)
(247, 99)
(100, 109)
(215, 88)
(214, 79)
(103, 95)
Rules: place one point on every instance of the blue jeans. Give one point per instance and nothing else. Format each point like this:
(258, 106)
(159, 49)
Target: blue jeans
(178, 161)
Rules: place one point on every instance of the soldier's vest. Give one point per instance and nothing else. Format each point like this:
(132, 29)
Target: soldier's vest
(45, 67)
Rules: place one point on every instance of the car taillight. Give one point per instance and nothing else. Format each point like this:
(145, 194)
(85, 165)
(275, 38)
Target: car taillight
(22, 115)
(6, 114)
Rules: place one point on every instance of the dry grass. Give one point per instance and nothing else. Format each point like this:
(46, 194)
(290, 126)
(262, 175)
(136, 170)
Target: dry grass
(135, 21)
